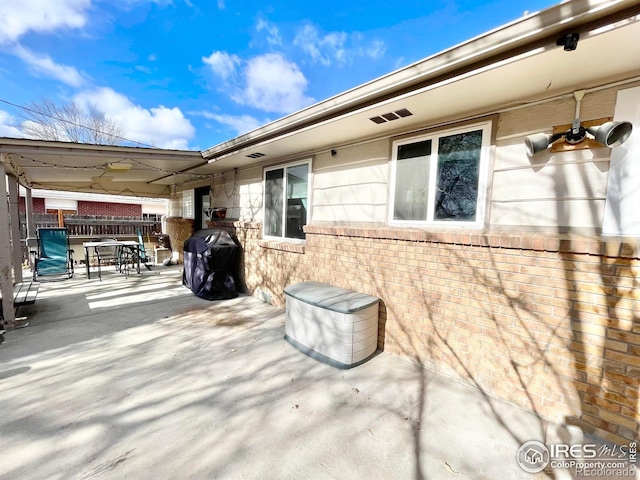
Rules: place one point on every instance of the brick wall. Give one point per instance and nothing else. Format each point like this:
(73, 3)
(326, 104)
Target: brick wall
(110, 209)
(91, 208)
(38, 205)
(550, 323)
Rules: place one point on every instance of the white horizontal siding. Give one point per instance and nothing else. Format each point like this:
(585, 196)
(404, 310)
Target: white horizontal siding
(349, 213)
(246, 203)
(565, 189)
(575, 213)
(352, 185)
(581, 180)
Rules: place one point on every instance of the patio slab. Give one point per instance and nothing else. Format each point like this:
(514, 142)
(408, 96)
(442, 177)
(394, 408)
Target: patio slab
(138, 378)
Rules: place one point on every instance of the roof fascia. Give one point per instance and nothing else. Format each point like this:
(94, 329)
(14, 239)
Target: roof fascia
(45, 147)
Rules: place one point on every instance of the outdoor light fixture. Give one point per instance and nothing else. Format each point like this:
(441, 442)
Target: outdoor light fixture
(569, 41)
(609, 134)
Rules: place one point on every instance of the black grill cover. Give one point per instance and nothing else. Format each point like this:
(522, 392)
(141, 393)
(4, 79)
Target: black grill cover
(210, 262)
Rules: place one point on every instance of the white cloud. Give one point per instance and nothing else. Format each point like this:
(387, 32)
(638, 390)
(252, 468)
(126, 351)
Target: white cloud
(267, 82)
(375, 50)
(322, 49)
(239, 123)
(335, 47)
(273, 84)
(159, 126)
(8, 126)
(273, 34)
(222, 64)
(20, 17)
(221, 5)
(134, 3)
(43, 64)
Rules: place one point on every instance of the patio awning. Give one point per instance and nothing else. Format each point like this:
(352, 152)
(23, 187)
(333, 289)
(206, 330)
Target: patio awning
(114, 170)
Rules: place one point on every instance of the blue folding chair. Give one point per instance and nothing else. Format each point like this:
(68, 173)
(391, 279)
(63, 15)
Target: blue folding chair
(54, 257)
(144, 258)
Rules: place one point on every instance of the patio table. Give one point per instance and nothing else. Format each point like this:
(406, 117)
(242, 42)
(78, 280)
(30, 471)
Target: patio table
(128, 244)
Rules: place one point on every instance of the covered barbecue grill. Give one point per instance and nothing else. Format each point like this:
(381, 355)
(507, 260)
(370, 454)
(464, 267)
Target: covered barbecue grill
(210, 264)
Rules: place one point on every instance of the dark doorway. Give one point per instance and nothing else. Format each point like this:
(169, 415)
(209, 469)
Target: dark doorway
(202, 202)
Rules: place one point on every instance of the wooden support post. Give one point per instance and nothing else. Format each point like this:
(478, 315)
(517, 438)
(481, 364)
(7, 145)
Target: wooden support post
(6, 277)
(16, 241)
(31, 225)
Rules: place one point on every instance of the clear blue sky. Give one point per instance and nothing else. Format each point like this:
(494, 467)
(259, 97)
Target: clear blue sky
(190, 74)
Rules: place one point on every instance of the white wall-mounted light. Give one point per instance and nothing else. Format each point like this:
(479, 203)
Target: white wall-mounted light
(609, 134)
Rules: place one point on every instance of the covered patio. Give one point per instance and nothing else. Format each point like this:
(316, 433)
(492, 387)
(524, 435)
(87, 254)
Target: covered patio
(139, 378)
(74, 167)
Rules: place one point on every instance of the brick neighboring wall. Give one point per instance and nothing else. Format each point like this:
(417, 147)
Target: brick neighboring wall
(547, 322)
(109, 209)
(38, 205)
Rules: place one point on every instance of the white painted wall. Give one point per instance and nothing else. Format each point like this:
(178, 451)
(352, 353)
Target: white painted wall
(242, 197)
(550, 191)
(352, 185)
(547, 192)
(621, 216)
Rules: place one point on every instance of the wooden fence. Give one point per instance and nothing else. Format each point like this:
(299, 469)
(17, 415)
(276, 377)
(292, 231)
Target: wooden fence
(96, 225)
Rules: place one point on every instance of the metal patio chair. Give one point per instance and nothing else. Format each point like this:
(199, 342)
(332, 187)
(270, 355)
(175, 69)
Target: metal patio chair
(108, 254)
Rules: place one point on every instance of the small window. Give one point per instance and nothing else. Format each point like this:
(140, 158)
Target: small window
(439, 178)
(286, 193)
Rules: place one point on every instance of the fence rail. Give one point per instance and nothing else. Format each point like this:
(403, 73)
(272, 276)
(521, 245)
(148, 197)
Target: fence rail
(95, 225)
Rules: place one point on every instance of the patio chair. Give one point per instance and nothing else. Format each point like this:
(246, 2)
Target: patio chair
(144, 258)
(130, 255)
(54, 257)
(108, 254)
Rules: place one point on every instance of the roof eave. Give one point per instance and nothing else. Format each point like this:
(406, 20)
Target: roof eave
(532, 29)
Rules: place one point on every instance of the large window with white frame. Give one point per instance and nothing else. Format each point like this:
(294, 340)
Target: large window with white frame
(286, 201)
(440, 178)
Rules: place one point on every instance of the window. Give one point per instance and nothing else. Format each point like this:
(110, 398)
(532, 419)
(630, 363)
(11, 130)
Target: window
(439, 178)
(286, 193)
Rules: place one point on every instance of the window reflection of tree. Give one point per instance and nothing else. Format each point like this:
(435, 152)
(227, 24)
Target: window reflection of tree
(457, 189)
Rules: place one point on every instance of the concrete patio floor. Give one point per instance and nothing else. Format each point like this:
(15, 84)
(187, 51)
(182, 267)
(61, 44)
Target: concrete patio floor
(138, 378)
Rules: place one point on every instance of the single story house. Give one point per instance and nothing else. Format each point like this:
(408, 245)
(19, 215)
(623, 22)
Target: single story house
(498, 262)
(518, 273)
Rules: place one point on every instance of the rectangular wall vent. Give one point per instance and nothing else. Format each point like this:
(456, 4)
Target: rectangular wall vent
(391, 116)
(403, 113)
(256, 155)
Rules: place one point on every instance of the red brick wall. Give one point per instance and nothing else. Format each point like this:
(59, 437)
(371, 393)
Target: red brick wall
(110, 209)
(38, 205)
(91, 208)
(550, 323)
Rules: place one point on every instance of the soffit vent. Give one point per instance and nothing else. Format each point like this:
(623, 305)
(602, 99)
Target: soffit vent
(391, 116)
(256, 155)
